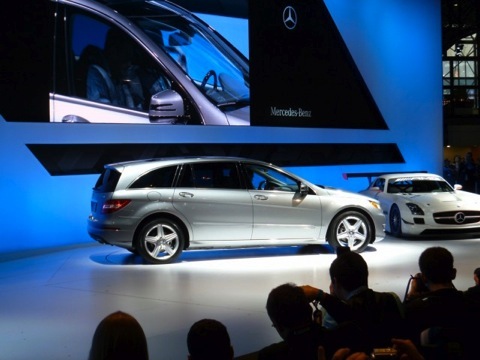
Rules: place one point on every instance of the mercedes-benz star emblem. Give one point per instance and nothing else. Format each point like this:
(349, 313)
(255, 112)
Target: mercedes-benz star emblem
(289, 17)
(459, 217)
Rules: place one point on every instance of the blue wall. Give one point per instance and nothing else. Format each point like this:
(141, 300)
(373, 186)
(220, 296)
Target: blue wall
(397, 47)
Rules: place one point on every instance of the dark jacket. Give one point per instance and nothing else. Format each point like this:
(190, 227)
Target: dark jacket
(473, 292)
(379, 314)
(304, 343)
(449, 310)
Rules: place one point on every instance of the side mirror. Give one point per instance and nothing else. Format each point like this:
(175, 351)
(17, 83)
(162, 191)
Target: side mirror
(303, 189)
(166, 107)
(458, 187)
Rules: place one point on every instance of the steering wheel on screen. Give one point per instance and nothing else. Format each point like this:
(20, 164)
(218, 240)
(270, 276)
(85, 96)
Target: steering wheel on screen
(208, 75)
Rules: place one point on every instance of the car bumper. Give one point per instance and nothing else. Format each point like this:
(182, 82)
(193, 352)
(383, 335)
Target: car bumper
(109, 233)
(379, 222)
(418, 226)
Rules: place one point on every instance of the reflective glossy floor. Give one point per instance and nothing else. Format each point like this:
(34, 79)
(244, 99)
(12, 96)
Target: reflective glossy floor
(51, 303)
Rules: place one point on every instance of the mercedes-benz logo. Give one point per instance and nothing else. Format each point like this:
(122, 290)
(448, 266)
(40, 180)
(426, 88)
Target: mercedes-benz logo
(289, 17)
(459, 217)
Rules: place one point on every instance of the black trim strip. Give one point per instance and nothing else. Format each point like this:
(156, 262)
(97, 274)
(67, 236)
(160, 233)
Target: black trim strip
(75, 159)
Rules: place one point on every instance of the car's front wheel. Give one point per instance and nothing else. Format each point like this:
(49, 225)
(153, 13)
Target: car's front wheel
(395, 221)
(351, 229)
(160, 241)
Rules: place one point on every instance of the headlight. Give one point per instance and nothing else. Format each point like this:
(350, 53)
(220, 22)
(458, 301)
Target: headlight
(375, 204)
(415, 209)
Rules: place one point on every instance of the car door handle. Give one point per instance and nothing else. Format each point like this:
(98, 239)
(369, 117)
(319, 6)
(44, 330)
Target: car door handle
(186, 194)
(261, 197)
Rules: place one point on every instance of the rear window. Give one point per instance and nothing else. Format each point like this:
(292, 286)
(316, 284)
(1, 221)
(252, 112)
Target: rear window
(107, 181)
(158, 178)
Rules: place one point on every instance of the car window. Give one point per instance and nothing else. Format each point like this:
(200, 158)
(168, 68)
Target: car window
(410, 185)
(212, 66)
(158, 178)
(107, 181)
(380, 183)
(218, 175)
(109, 67)
(265, 178)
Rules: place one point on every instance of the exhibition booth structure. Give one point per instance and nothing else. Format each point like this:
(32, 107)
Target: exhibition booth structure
(334, 90)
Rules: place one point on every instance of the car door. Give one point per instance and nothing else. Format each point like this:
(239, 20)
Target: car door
(214, 201)
(96, 77)
(280, 211)
(103, 75)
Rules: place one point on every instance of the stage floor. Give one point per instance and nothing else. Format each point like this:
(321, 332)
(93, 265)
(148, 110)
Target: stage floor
(52, 303)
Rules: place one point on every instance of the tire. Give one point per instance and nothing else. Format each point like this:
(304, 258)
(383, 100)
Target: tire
(395, 221)
(160, 241)
(351, 229)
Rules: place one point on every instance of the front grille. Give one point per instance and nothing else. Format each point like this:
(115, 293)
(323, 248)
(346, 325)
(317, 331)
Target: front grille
(457, 217)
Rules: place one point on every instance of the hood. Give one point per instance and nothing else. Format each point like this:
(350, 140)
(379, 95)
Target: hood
(340, 192)
(442, 199)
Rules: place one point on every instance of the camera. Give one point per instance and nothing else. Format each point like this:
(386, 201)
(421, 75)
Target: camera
(384, 353)
(420, 285)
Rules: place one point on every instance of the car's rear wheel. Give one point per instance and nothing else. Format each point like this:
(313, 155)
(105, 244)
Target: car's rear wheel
(351, 229)
(395, 221)
(160, 241)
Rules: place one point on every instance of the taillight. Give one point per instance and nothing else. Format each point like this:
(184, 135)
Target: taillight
(111, 206)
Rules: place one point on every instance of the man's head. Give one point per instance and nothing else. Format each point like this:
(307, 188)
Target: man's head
(476, 276)
(436, 265)
(208, 339)
(289, 309)
(349, 271)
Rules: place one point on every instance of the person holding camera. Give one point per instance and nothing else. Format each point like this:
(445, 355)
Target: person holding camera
(378, 314)
(438, 315)
(291, 314)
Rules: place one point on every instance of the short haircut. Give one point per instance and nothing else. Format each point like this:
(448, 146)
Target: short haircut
(350, 271)
(208, 339)
(436, 264)
(477, 272)
(288, 306)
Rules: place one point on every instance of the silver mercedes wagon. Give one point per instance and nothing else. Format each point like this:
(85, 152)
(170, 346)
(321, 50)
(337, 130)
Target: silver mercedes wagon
(160, 207)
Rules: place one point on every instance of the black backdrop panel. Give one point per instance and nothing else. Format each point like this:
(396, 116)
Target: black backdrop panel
(302, 73)
(65, 159)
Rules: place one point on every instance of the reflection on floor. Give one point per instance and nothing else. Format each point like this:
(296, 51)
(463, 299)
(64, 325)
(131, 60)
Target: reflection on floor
(52, 303)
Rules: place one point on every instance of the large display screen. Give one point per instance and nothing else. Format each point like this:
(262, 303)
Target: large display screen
(154, 63)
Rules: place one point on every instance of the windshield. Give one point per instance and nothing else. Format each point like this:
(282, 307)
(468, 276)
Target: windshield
(216, 68)
(411, 185)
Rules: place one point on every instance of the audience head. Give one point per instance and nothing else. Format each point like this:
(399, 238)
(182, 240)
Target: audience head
(348, 271)
(436, 266)
(208, 339)
(119, 336)
(288, 309)
(476, 276)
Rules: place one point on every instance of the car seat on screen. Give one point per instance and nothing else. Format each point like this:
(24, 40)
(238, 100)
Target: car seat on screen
(94, 81)
(91, 55)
